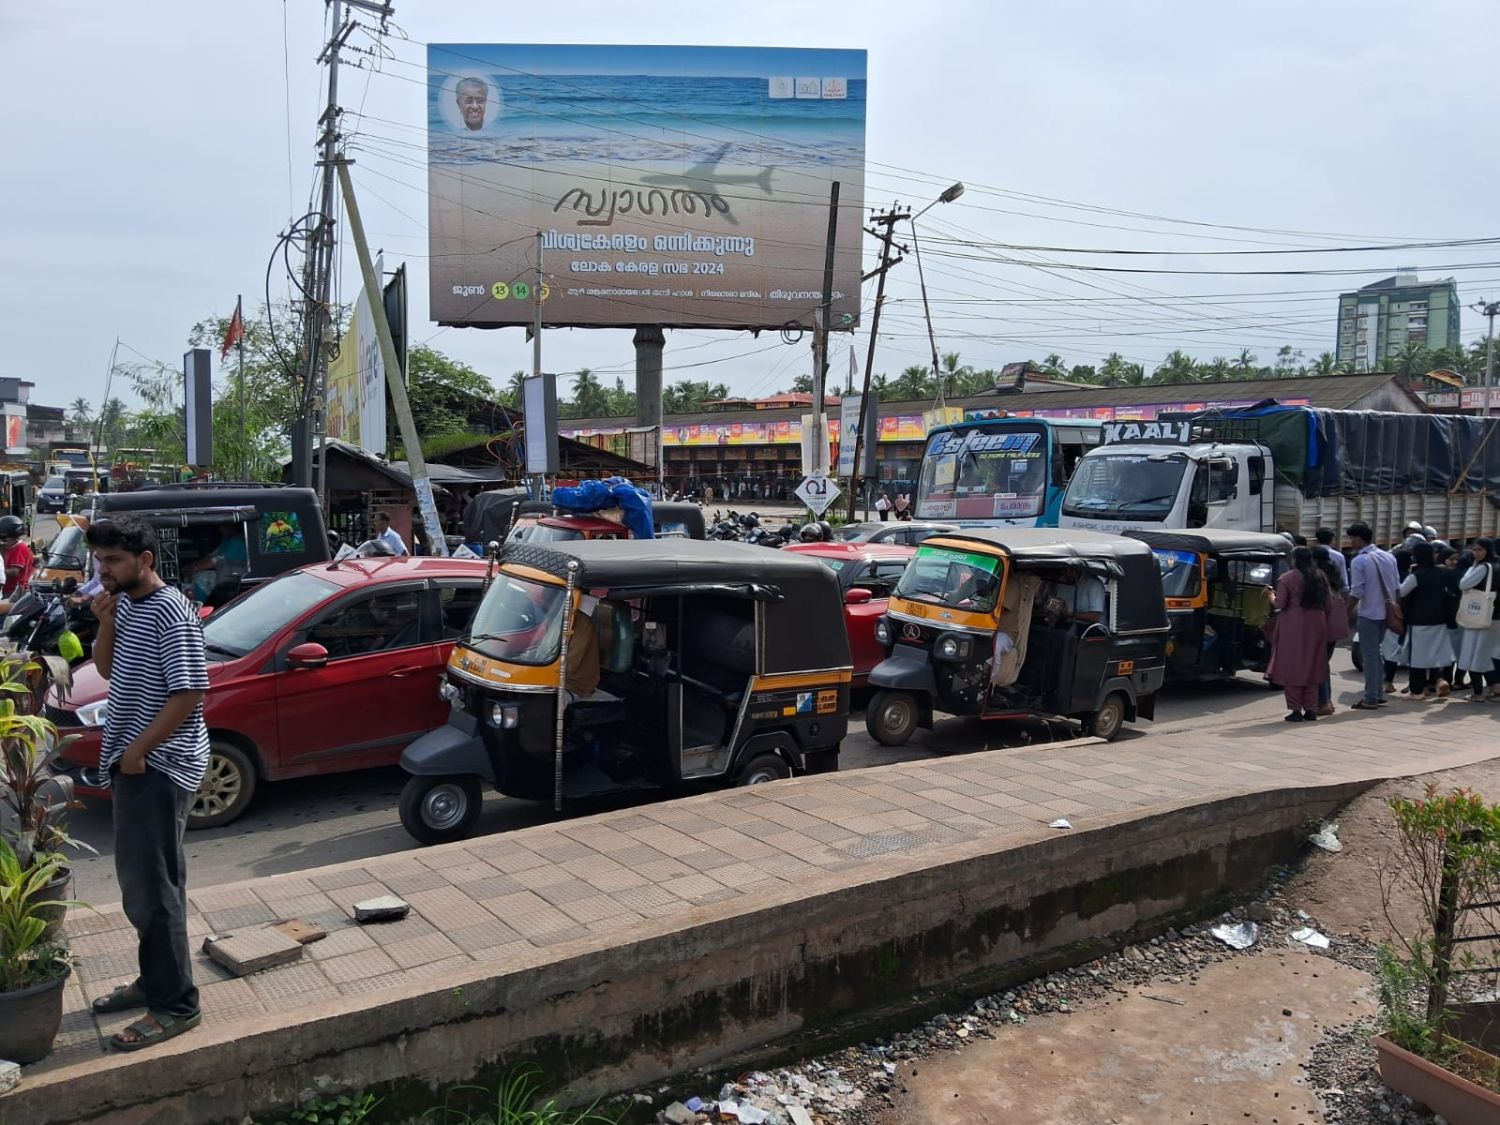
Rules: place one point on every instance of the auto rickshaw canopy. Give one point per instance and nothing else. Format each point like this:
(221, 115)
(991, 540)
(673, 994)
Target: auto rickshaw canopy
(1139, 606)
(1216, 543)
(802, 615)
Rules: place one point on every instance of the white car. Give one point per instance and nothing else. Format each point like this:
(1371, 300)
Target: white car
(907, 533)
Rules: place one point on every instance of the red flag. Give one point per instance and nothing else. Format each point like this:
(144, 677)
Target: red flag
(236, 332)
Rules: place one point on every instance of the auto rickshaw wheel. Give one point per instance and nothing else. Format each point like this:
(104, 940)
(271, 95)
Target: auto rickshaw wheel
(436, 810)
(1106, 722)
(891, 717)
(227, 788)
(764, 768)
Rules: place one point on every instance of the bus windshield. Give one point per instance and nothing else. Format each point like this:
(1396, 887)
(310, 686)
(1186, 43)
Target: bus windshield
(1128, 485)
(985, 471)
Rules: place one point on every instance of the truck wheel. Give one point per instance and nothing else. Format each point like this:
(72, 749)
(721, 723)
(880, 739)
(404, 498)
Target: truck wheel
(436, 810)
(1106, 722)
(891, 717)
(227, 788)
(764, 768)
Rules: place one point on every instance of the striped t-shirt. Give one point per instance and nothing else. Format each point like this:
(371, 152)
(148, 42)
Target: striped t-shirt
(158, 652)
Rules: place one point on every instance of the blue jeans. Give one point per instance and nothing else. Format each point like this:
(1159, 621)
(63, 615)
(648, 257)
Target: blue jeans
(1371, 632)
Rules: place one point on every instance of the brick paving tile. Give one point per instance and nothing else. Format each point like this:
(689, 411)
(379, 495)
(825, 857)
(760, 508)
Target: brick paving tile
(595, 863)
(350, 939)
(424, 879)
(443, 858)
(422, 950)
(635, 855)
(620, 879)
(353, 966)
(333, 880)
(506, 856)
(692, 887)
(574, 890)
(475, 940)
(663, 869)
(541, 921)
(597, 909)
(539, 877)
(564, 849)
(224, 897)
(364, 985)
(239, 917)
(708, 860)
(646, 900)
(743, 876)
(290, 986)
(481, 889)
(285, 886)
(828, 833)
(470, 872)
(230, 998)
(300, 906)
(438, 968)
(412, 926)
(121, 962)
(80, 921)
(447, 908)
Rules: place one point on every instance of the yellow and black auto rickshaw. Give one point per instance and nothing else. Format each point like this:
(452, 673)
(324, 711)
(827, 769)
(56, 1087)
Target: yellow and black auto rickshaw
(1218, 586)
(1008, 623)
(602, 666)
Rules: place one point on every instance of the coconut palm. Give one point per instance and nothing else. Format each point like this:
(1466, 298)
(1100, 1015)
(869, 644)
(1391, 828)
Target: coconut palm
(1178, 367)
(1245, 363)
(80, 415)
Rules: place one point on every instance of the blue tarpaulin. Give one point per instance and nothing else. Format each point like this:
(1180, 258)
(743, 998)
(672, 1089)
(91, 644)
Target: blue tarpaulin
(614, 492)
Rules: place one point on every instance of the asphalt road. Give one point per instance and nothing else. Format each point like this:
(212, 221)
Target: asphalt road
(317, 821)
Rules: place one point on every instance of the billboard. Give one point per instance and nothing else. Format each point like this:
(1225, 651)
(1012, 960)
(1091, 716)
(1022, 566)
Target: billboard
(356, 382)
(783, 431)
(679, 186)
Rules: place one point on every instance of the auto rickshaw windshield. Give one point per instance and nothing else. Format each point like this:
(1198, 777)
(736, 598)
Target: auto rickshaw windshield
(951, 578)
(67, 551)
(1180, 577)
(545, 533)
(518, 621)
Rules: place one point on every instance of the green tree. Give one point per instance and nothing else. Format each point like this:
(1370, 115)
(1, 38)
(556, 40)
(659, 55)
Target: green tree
(1325, 364)
(686, 396)
(914, 383)
(1452, 359)
(1215, 370)
(802, 385)
(1178, 367)
(590, 399)
(80, 414)
(1112, 373)
(621, 401)
(1412, 359)
(444, 392)
(1245, 364)
(1053, 364)
(1083, 373)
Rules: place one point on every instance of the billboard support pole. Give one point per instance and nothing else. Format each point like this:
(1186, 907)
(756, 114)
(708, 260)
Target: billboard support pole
(538, 483)
(888, 223)
(819, 443)
(415, 462)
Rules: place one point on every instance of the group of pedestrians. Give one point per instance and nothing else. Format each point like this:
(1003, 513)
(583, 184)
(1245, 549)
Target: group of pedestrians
(1425, 606)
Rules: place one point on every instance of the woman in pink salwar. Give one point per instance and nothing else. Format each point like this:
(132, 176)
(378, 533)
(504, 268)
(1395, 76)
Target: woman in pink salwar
(1299, 652)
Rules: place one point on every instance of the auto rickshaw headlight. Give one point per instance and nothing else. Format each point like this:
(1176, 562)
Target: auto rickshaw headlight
(952, 647)
(506, 716)
(883, 631)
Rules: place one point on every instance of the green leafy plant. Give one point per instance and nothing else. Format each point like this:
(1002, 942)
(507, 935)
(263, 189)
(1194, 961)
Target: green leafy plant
(1446, 861)
(25, 958)
(517, 1101)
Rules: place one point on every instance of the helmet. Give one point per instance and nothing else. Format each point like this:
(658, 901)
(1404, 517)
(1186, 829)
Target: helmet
(334, 542)
(1413, 528)
(11, 527)
(810, 533)
(825, 531)
(1412, 540)
(1430, 532)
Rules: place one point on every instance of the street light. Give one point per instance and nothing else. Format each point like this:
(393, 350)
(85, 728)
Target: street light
(948, 196)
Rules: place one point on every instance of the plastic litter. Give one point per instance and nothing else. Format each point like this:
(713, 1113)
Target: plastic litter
(1309, 936)
(697, 1105)
(1240, 936)
(1060, 822)
(1327, 837)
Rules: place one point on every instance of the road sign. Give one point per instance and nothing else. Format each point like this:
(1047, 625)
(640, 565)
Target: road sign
(817, 492)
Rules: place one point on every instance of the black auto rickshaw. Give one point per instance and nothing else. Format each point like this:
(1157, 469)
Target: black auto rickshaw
(1008, 623)
(1218, 586)
(597, 667)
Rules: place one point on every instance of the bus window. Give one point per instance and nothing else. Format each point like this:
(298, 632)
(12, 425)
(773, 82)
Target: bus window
(994, 470)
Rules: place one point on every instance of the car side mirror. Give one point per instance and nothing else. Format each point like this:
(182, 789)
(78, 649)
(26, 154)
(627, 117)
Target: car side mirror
(856, 595)
(309, 654)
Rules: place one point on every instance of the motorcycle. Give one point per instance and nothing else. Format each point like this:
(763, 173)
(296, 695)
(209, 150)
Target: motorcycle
(45, 627)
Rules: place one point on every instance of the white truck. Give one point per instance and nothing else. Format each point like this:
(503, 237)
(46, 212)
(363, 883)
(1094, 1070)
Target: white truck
(1291, 468)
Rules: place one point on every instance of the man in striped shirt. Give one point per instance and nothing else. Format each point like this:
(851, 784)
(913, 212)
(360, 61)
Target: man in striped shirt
(155, 753)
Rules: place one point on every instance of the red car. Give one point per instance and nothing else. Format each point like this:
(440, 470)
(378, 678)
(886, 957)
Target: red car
(867, 572)
(330, 667)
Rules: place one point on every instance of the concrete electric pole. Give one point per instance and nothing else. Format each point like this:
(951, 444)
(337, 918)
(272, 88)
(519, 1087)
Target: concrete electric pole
(882, 227)
(1487, 309)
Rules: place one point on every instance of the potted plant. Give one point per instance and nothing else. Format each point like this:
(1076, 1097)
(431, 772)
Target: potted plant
(33, 802)
(1446, 863)
(33, 969)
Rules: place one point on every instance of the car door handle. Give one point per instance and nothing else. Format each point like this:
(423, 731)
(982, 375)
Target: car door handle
(402, 673)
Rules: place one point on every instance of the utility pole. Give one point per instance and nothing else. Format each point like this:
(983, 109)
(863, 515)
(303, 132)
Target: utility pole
(1489, 309)
(819, 443)
(415, 461)
(886, 226)
(539, 484)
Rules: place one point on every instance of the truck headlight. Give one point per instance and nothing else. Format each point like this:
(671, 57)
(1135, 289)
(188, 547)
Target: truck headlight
(93, 714)
(506, 716)
(952, 648)
(883, 631)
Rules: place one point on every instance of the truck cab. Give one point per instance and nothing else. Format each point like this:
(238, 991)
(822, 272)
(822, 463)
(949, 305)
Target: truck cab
(1153, 476)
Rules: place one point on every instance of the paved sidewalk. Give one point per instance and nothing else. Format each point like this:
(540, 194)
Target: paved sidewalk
(523, 897)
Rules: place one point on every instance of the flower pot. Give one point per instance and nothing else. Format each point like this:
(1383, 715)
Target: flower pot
(57, 893)
(1456, 1099)
(29, 1020)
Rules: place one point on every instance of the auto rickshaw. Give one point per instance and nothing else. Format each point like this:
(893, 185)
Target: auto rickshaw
(598, 667)
(1218, 586)
(1005, 623)
(67, 556)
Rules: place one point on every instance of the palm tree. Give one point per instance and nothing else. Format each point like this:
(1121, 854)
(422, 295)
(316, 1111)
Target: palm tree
(590, 399)
(1325, 364)
(1245, 363)
(1412, 359)
(79, 414)
(1112, 372)
(1053, 364)
(954, 373)
(1216, 370)
(1178, 367)
(111, 423)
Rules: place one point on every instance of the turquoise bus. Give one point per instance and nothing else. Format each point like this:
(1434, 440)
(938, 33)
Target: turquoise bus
(992, 472)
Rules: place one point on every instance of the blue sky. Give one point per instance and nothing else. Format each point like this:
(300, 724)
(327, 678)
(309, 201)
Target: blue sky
(153, 153)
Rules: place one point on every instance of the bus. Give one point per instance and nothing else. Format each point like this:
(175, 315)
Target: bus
(990, 472)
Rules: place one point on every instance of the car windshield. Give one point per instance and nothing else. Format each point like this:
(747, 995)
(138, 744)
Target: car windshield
(55, 483)
(518, 621)
(67, 551)
(852, 532)
(247, 622)
(955, 579)
(984, 472)
(545, 533)
(1179, 573)
(1134, 485)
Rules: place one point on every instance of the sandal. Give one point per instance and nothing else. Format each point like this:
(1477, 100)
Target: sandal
(151, 1029)
(122, 999)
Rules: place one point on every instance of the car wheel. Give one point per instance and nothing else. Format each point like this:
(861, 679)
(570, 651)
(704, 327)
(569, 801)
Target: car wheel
(437, 810)
(891, 717)
(227, 788)
(1106, 722)
(1357, 656)
(762, 769)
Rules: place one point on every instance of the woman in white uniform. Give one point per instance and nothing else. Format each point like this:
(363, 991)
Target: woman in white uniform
(1478, 648)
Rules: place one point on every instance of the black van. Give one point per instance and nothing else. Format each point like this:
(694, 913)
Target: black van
(217, 539)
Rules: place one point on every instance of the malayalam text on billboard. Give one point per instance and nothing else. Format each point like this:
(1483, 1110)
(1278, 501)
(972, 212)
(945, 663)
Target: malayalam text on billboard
(680, 186)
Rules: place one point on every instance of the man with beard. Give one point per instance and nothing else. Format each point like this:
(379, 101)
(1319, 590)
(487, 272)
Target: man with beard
(154, 756)
(473, 96)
